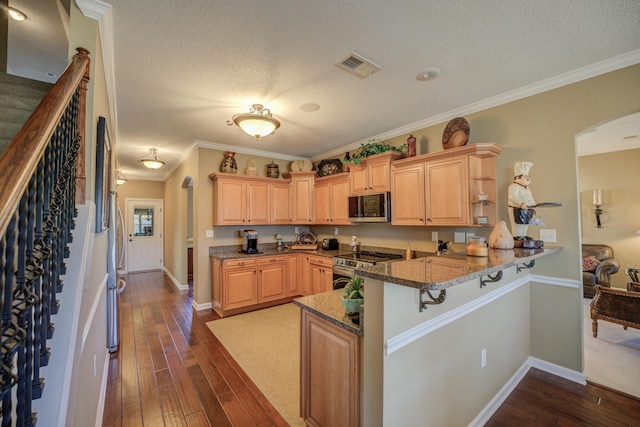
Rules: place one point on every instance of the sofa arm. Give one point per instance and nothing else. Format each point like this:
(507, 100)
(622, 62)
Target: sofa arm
(606, 268)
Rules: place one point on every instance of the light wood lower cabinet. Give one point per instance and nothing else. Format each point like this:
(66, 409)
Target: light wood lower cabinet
(321, 274)
(246, 284)
(329, 373)
(272, 278)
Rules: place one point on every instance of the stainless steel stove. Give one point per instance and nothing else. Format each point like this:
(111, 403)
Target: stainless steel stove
(344, 264)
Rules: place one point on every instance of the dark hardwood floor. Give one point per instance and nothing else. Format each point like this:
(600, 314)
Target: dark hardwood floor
(171, 371)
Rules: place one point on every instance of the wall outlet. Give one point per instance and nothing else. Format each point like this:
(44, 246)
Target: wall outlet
(296, 230)
(468, 236)
(434, 236)
(548, 235)
(335, 231)
(208, 233)
(458, 237)
(483, 358)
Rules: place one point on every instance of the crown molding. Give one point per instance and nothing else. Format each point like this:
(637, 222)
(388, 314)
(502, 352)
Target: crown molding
(583, 73)
(243, 150)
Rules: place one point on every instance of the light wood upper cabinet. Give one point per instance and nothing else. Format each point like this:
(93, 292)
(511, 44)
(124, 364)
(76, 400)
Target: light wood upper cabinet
(407, 195)
(229, 200)
(302, 197)
(332, 200)
(447, 192)
(248, 200)
(280, 203)
(373, 175)
(443, 188)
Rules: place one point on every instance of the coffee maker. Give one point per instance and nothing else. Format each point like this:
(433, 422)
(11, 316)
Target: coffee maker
(250, 241)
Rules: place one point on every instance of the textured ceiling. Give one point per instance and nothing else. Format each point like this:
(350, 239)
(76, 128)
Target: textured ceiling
(182, 69)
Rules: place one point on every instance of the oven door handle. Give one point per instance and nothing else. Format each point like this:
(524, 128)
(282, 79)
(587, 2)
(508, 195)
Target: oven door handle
(343, 271)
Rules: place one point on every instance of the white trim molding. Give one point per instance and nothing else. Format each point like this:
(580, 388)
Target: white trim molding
(179, 286)
(407, 337)
(487, 412)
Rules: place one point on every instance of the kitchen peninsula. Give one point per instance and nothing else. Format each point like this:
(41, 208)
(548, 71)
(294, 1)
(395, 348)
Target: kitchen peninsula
(424, 359)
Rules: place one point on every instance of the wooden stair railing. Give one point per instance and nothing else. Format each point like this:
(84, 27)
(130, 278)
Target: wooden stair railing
(42, 178)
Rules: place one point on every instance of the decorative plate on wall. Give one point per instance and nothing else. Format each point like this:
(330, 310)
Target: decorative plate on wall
(456, 134)
(329, 167)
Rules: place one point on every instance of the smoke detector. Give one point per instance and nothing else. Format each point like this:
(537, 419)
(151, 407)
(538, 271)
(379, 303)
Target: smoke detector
(358, 65)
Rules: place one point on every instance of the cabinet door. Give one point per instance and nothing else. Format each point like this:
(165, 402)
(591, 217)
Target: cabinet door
(379, 175)
(280, 204)
(340, 203)
(294, 286)
(447, 192)
(258, 203)
(321, 269)
(358, 180)
(216, 284)
(239, 288)
(329, 373)
(303, 200)
(230, 200)
(323, 204)
(305, 275)
(272, 281)
(407, 195)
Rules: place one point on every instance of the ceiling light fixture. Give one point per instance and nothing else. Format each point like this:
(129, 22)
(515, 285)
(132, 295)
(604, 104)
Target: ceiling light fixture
(257, 122)
(16, 15)
(152, 160)
(120, 178)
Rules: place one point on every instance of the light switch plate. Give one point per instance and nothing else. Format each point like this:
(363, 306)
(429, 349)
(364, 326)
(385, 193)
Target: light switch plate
(548, 235)
(458, 237)
(434, 236)
(469, 236)
(208, 233)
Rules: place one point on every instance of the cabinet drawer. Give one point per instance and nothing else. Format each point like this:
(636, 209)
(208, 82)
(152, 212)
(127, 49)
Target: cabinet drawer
(239, 263)
(318, 260)
(266, 260)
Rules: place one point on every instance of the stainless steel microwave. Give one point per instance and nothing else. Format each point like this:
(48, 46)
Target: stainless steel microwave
(370, 208)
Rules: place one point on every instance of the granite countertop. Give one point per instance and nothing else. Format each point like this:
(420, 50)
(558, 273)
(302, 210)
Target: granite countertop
(444, 271)
(234, 253)
(328, 306)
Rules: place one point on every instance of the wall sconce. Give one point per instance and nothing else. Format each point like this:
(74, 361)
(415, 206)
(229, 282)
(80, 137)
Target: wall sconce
(152, 160)
(597, 202)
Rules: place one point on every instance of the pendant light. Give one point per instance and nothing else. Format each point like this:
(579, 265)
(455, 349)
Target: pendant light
(257, 122)
(152, 160)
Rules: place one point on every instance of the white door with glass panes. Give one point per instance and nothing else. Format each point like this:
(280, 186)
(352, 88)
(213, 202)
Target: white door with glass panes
(144, 234)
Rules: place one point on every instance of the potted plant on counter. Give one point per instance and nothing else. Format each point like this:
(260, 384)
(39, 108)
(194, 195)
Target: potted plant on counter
(353, 295)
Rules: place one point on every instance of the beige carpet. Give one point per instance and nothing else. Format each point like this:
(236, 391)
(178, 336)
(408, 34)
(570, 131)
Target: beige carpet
(266, 345)
(613, 358)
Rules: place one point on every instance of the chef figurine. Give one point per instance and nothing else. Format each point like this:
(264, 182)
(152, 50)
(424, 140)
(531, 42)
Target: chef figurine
(521, 202)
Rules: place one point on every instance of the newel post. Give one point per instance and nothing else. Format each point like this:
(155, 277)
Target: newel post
(81, 178)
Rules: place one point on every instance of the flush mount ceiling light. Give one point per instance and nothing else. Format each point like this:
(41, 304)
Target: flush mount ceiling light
(120, 178)
(257, 122)
(16, 15)
(429, 74)
(152, 160)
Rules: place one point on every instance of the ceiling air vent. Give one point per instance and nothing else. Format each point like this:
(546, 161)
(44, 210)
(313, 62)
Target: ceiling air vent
(358, 65)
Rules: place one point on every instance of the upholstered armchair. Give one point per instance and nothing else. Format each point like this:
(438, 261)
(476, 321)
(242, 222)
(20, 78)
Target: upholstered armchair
(598, 264)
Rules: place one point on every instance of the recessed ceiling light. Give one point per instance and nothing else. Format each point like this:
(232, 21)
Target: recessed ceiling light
(310, 107)
(17, 15)
(429, 74)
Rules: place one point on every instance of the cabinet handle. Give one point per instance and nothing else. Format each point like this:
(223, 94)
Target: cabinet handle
(241, 263)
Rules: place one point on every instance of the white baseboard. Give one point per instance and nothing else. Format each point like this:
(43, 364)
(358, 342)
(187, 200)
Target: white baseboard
(200, 307)
(175, 281)
(103, 395)
(487, 412)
